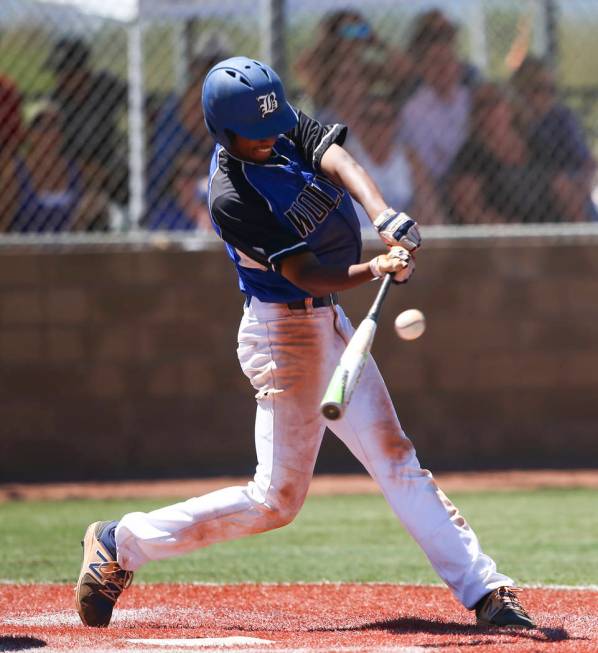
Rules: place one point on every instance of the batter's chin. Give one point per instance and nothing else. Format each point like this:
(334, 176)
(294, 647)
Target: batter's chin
(262, 155)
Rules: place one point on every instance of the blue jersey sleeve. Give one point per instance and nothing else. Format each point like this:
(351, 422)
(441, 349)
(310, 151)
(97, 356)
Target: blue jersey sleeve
(313, 139)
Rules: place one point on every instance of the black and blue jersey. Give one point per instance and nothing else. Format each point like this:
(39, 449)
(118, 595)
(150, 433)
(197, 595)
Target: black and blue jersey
(267, 211)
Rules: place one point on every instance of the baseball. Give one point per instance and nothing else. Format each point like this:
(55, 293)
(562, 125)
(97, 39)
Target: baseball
(410, 324)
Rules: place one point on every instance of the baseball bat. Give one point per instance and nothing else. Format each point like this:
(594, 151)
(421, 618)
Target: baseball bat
(347, 373)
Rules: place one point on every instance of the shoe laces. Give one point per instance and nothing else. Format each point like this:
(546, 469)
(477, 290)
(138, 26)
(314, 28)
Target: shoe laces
(509, 599)
(117, 580)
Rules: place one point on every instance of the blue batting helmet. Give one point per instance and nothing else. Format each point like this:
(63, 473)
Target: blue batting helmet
(245, 97)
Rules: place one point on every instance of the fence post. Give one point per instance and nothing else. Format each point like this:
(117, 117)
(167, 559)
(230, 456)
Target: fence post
(551, 29)
(477, 36)
(546, 35)
(136, 116)
(273, 41)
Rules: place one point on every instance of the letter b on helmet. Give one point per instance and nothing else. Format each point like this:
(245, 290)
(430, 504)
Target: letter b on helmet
(245, 97)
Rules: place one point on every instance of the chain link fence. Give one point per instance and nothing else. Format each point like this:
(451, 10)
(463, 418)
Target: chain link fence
(476, 112)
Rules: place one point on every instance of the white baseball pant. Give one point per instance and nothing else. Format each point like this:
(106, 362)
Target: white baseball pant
(289, 356)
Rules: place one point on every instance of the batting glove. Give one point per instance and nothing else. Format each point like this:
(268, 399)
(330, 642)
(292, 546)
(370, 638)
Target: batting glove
(398, 229)
(399, 262)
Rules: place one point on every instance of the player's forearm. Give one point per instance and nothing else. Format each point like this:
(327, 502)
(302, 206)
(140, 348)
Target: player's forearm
(342, 168)
(306, 272)
(324, 279)
(363, 189)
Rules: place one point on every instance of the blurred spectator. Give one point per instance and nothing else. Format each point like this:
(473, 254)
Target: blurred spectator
(556, 139)
(180, 126)
(50, 189)
(494, 178)
(91, 102)
(395, 167)
(183, 205)
(11, 132)
(347, 60)
(435, 119)
(154, 102)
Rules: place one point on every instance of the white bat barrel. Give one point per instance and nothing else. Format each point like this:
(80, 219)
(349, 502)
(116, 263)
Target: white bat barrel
(346, 376)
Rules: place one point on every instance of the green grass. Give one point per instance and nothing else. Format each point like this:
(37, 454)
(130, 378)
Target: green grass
(540, 537)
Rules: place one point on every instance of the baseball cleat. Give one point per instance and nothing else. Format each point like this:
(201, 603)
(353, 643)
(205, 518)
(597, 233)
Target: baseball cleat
(102, 580)
(502, 608)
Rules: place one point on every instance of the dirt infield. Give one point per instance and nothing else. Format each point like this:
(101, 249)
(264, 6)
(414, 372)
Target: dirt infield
(321, 485)
(328, 617)
(343, 618)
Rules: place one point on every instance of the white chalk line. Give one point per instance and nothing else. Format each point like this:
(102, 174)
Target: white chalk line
(202, 642)
(321, 583)
(374, 648)
(131, 616)
(583, 588)
(121, 617)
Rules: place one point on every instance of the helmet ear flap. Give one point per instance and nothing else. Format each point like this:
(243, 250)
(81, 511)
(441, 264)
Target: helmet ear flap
(210, 127)
(225, 137)
(230, 136)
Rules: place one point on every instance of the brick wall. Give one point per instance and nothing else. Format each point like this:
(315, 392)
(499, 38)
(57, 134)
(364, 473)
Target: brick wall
(121, 364)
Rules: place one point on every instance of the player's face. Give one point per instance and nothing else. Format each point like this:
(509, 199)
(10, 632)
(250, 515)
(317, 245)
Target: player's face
(249, 149)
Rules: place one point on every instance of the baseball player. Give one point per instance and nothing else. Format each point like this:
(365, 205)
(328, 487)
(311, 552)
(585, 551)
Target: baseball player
(280, 198)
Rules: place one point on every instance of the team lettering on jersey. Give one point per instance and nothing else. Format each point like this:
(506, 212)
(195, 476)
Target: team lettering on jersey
(313, 205)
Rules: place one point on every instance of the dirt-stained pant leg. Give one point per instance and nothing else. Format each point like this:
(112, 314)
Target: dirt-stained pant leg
(283, 354)
(371, 430)
(289, 357)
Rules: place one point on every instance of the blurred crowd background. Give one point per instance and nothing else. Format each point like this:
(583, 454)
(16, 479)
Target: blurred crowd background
(469, 112)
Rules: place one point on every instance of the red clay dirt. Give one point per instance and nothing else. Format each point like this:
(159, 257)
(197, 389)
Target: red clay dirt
(327, 617)
(322, 484)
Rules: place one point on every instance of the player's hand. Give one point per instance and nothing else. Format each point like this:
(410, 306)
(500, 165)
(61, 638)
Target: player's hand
(398, 229)
(398, 262)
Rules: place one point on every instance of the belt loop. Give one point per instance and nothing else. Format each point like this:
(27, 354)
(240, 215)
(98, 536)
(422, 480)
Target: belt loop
(309, 305)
